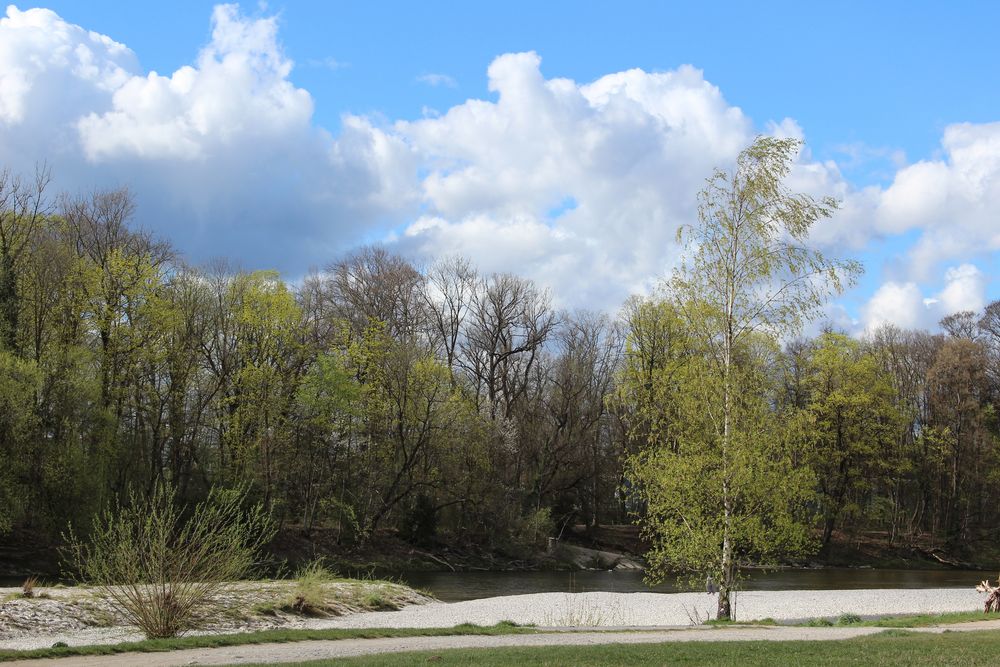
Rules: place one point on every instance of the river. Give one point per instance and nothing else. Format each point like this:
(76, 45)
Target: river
(457, 586)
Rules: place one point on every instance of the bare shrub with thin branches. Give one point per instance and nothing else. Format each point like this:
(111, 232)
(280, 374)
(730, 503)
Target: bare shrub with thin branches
(162, 570)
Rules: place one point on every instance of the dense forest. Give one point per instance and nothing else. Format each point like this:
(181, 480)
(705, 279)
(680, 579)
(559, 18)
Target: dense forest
(434, 402)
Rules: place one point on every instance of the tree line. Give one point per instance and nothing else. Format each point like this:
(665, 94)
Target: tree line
(368, 395)
(443, 403)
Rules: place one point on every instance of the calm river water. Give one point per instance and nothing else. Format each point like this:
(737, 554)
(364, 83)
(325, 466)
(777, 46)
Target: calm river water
(456, 586)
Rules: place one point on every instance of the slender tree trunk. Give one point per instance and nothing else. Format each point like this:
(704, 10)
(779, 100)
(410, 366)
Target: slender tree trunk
(724, 611)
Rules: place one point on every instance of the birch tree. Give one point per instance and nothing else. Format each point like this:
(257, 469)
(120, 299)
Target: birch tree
(747, 276)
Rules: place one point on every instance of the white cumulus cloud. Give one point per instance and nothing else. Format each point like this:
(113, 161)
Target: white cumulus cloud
(953, 202)
(222, 154)
(580, 185)
(238, 91)
(905, 305)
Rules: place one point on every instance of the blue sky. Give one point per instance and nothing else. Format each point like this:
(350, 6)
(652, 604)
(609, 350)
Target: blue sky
(891, 98)
(890, 75)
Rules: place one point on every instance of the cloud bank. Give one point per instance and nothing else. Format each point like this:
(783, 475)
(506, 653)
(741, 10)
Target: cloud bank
(222, 154)
(578, 185)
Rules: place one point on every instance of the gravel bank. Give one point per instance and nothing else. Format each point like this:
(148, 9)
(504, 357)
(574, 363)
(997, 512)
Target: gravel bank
(561, 610)
(76, 616)
(658, 609)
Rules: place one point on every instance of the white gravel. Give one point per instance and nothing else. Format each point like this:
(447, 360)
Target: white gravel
(658, 609)
(633, 610)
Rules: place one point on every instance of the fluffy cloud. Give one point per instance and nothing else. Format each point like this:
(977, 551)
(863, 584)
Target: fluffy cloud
(905, 305)
(222, 154)
(954, 202)
(239, 91)
(38, 51)
(49, 71)
(901, 304)
(580, 185)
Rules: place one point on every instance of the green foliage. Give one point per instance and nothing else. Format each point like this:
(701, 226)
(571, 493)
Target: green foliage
(445, 406)
(19, 384)
(723, 485)
(852, 422)
(818, 623)
(328, 391)
(163, 571)
(534, 529)
(685, 503)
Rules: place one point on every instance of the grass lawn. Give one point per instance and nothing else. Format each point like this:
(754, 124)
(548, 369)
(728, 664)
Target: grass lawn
(923, 620)
(904, 621)
(892, 647)
(680, 653)
(264, 637)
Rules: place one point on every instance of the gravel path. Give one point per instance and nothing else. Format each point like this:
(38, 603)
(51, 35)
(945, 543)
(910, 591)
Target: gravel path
(318, 650)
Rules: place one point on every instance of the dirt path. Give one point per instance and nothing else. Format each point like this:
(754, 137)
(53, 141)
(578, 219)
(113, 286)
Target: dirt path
(317, 650)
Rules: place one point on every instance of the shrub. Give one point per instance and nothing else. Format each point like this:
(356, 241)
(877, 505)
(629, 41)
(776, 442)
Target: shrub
(532, 531)
(819, 623)
(28, 587)
(309, 595)
(848, 619)
(164, 573)
(377, 600)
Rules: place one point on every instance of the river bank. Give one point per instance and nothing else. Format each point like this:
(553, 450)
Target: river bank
(578, 548)
(582, 548)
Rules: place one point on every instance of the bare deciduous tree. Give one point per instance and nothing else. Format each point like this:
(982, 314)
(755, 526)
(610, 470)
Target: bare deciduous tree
(451, 285)
(372, 286)
(509, 321)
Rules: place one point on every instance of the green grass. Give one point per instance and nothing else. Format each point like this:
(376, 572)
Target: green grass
(892, 647)
(319, 591)
(265, 637)
(818, 623)
(923, 620)
(905, 621)
(727, 623)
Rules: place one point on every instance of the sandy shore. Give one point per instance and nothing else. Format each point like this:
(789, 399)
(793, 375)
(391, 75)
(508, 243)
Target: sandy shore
(635, 610)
